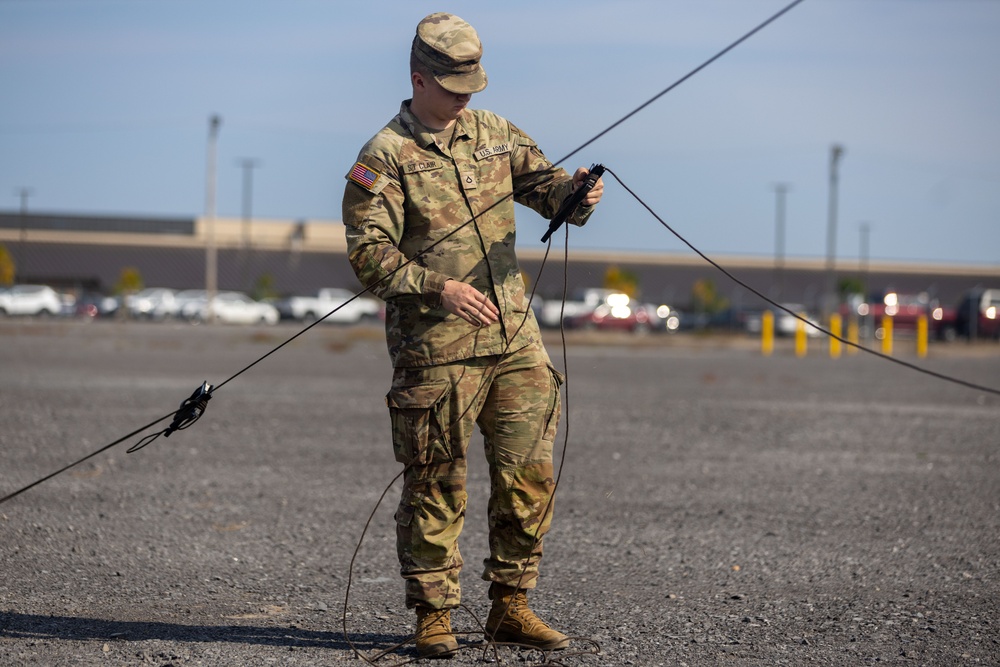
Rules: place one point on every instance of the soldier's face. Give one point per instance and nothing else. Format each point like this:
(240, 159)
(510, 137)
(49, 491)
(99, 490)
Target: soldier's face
(436, 107)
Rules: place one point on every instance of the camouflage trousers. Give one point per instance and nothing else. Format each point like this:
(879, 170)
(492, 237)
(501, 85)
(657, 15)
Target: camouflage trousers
(514, 400)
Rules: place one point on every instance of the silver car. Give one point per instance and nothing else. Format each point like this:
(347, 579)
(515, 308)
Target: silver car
(173, 307)
(152, 303)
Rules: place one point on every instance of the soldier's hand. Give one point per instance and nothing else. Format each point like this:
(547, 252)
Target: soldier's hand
(595, 193)
(469, 303)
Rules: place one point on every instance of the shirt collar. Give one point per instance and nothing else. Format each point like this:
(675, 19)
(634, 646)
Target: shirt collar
(421, 134)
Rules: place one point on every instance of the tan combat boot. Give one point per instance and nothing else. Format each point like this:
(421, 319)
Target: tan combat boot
(512, 621)
(433, 637)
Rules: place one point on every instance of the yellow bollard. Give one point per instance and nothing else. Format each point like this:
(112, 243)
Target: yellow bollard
(767, 333)
(800, 337)
(853, 335)
(887, 335)
(836, 326)
(922, 336)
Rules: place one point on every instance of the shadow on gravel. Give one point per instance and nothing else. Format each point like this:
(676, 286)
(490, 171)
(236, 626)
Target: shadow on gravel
(30, 626)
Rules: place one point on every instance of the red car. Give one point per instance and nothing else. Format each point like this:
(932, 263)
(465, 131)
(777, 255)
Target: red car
(616, 312)
(979, 314)
(905, 310)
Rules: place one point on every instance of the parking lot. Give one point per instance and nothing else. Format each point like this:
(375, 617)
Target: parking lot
(714, 506)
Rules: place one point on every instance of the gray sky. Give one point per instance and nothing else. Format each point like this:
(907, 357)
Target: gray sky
(105, 109)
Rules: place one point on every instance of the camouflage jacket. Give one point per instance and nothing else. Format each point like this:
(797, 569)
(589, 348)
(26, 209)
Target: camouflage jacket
(450, 210)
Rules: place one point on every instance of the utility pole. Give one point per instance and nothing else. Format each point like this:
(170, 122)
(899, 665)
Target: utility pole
(864, 230)
(830, 298)
(211, 252)
(23, 193)
(248, 165)
(780, 190)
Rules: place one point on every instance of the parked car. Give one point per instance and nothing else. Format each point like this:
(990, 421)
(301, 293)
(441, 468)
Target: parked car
(978, 314)
(39, 300)
(905, 310)
(581, 302)
(662, 317)
(169, 308)
(737, 319)
(340, 304)
(94, 304)
(230, 308)
(152, 303)
(785, 324)
(616, 312)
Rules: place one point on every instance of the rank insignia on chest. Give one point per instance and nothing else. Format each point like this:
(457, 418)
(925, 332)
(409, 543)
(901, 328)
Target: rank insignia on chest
(364, 176)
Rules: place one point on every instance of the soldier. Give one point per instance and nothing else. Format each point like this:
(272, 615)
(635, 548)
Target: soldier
(436, 188)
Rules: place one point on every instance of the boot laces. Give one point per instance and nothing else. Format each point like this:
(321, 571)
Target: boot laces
(435, 622)
(520, 610)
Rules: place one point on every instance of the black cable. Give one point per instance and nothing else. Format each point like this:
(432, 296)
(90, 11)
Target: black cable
(921, 369)
(679, 81)
(136, 432)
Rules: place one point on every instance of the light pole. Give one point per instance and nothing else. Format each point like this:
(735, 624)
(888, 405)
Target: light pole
(211, 252)
(780, 190)
(864, 230)
(248, 165)
(830, 298)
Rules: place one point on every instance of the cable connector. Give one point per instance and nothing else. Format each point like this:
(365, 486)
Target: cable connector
(573, 200)
(190, 411)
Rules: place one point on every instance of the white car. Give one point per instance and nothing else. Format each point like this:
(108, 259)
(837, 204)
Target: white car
(230, 308)
(152, 302)
(337, 305)
(30, 300)
(786, 324)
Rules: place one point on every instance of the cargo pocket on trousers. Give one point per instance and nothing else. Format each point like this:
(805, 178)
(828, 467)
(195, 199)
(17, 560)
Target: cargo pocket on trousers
(405, 511)
(420, 421)
(555, 405)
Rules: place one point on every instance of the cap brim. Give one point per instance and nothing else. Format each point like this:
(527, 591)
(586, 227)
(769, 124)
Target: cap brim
(463, 84)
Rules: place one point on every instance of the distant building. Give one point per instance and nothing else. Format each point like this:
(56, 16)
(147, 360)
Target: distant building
(89, 252)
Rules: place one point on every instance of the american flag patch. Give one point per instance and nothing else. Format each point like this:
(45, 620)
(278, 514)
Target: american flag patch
(364, 176)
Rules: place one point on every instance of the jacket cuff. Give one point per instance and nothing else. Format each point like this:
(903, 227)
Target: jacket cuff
(433, 287)
(581, 215)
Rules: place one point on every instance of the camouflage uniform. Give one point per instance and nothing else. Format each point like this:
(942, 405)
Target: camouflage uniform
(409, 196)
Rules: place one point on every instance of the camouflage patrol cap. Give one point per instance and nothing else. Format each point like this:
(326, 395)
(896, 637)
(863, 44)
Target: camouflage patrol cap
(450, 48)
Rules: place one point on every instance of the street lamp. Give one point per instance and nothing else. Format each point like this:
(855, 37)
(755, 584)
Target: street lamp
(248, 165)
(864, 230)
(830, 300)
(780, 190)
(211, 252)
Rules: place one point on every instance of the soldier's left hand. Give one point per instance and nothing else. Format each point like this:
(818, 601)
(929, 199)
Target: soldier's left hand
(595, 193)
(470, 304)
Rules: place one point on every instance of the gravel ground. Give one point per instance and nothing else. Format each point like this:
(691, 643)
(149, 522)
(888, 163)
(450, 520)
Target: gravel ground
(715, 507)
